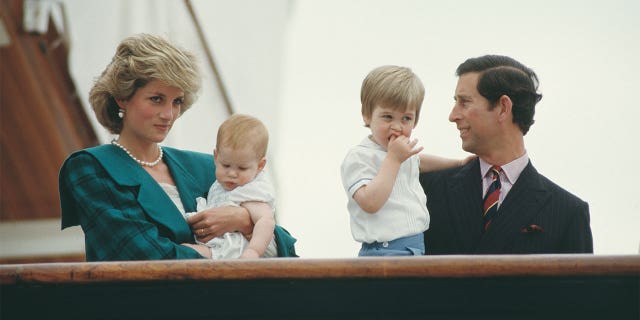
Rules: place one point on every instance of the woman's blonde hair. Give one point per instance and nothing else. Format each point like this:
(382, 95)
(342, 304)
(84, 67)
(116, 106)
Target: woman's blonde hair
(391, 87)
(138, 60)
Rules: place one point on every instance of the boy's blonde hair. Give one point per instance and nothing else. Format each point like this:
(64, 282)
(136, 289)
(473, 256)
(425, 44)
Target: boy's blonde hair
(242, 130)
(391, 87)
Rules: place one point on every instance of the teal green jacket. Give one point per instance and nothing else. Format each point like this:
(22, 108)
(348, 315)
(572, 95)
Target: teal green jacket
(125, 214)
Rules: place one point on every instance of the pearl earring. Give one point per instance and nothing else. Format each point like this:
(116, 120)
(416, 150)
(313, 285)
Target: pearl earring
(121, 113)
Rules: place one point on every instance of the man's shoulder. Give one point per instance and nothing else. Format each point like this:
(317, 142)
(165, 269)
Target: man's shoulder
(557, 190)
(470, 168)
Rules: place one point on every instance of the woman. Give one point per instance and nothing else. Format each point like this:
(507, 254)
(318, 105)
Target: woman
(128, 196)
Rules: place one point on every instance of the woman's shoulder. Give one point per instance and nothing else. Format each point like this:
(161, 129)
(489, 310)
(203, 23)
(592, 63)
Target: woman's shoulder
(104, 155)
(199, 165)
(88, 155)
(187, 153)
(92, 152)
(107, 150)
(188, 157)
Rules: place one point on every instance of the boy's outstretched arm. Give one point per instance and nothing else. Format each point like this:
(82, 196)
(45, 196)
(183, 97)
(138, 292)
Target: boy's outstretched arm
(429, 162)
(263, 228)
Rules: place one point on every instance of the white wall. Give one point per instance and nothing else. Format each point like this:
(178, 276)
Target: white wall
(585, 54)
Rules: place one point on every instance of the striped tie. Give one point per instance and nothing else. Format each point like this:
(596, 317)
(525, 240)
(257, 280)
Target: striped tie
(491, 198)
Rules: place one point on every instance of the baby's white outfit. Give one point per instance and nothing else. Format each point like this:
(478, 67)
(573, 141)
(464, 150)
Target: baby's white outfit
(232, 244)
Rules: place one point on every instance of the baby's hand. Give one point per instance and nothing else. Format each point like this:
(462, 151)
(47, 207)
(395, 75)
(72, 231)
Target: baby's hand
(402, 148)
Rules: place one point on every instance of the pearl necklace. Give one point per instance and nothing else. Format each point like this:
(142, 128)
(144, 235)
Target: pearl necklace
(142, 163)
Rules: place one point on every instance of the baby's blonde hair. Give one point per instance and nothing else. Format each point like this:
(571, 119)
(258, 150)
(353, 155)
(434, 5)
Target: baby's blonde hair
(241, 130)
(391, 87)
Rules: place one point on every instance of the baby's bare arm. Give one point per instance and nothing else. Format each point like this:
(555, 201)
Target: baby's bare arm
(264, 224)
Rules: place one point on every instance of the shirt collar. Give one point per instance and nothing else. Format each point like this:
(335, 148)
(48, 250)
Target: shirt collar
(369, 143)
(512, 170)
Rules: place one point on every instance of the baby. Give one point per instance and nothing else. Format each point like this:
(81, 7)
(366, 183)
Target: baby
(240, 158)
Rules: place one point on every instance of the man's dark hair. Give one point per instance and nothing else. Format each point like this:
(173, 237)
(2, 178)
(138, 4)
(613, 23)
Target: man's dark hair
(502, 75)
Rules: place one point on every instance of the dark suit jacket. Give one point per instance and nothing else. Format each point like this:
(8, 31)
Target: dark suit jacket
(537, 216)
(125, 214)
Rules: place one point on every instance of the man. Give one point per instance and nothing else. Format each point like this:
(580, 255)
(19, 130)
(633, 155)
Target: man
(499, 203)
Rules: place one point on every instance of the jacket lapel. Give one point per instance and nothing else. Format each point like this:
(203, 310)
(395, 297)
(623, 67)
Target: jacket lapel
(151, 197)
(185, 181)
(520, 206)
(465, 189)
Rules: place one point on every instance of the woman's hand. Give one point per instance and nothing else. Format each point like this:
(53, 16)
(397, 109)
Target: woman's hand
(215, 222)
(201, 249)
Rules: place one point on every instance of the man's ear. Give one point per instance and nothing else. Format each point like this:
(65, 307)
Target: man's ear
(506, 107)
(262, 163)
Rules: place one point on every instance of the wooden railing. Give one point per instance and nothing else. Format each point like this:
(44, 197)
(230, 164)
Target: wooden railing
(446, 287)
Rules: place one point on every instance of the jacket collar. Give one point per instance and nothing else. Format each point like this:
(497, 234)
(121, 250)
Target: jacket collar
(465, 200)
(521, 205)
(519, 208)
(155, 202)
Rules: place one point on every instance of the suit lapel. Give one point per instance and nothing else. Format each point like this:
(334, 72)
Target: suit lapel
(151, 197)
(465, 189)
(520, 206)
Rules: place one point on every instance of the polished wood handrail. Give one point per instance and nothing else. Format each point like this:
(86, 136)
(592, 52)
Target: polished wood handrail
(290, 268)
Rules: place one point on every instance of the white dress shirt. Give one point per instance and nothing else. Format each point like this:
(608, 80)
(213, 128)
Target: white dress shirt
(508, 177)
